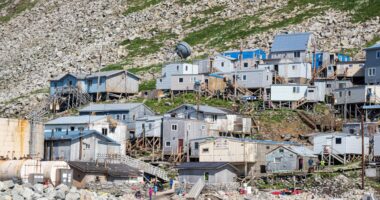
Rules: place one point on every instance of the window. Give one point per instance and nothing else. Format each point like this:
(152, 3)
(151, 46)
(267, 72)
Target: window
(72, 128)
(205, 150)
(338, 140)
(117, 117)
(378, 54)
(206, 176)
(104, 131)
(196, 145)
(342, 85)
(349, 93)
(328, 85)
(87, 146)
(281, 150)
(297, 54)
(177, 67)
(371, 71)
(70, 83)
(293, 67)
(186, 68)
(112, 130)
(161, 80)
(311, 91)
(277, 159)
(244, 77)
(214, 118)
(296, 89)
(222, 64)
(58, 130)
(89, 82)
(268, 147)
(55, 85)
(167, 144)
(150, 126)
(133, 117)
(340, 94)
(245, 64)
(267, 78)
(203, 127)
(180, 80)
(124, 117)
(174, 127)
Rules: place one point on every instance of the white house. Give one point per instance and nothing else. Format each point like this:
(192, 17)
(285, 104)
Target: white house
(114, 129)
(288, 70)
(164, 82)
(357, 94)
(152, 125)
(295, 92)
(339, 143)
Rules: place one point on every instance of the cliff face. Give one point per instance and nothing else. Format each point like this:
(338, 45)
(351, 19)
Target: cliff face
(42, 38)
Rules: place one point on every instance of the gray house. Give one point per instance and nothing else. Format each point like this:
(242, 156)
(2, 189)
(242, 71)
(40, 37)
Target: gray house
(186, 82)
(295, 46)
(78, 146)
(164, 82)
(210, 172)
(255, 78)
(178, 132)
(372, 64)
(289, 158)
(127, 112)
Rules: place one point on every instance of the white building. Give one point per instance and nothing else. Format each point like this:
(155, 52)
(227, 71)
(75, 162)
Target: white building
(114, 129)
(152, 125)
(288, 70)
(295, 92)
(376, 145)
(339, 143)
(164, 82)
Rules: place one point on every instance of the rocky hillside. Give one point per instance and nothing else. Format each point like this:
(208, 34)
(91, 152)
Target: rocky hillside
(42, 38)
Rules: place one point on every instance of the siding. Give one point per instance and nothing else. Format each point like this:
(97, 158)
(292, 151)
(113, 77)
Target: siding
(372, 62)
(289, 160)
(357, 95)
(349, 145)
(188, 82)
(285, 92)
(255, 78)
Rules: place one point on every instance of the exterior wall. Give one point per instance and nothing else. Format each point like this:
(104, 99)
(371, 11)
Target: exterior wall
(350, 69)
(152, 128)
(370, 128)
(359, 94)
(372, 62)
(186, 131)
(17, 137)
(223, 64)
(64, 82)
(304, 56)
(92, 85)
(286, 92)
(255, 78)
(224, 150)
(292, 71)
(327, 87)
(376, 145)
(216, 84)
(191, 176)
(314, 94)
(349, 145)
(122, 83)
(188, 82)
(164, 82)
(288, 161)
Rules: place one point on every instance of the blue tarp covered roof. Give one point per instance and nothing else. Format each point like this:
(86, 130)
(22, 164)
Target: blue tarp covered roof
(290, 42)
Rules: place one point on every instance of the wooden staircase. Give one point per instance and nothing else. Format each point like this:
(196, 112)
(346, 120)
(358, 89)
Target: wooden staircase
(307, 119)
(196, 190)
(300, 102)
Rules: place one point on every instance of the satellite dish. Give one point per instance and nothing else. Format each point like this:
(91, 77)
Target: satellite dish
(183, 50)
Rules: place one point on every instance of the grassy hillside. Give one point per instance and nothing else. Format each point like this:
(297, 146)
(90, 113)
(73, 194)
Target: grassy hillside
(13, 8)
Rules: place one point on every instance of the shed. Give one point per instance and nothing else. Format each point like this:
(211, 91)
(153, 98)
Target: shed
(210, 172)
(339, 143)
(289, 158)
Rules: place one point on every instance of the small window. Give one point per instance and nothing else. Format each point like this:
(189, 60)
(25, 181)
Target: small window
(342, 85)
(214, 118)
(371, 71)
(174, 127)
(293, 67)
(167, 144)
(177, 67)
(180, 80)
(150, 126)
(277, 159)
(268, 147)
(205, 150)
(328, 85)
(340, 94)
(203, 127)
(118, 117)
(378, 54)
(196, 145)
(349, 93)
(186, 68)
(58, 130)
(222, 64)
(112, 130)
(310, 91)
(297, 54)
(104, 131)
(55, 85)
(72, 128)
(245, 64)
(89, 82)
(124, 117)
(133, 117)
(267, 78)
(338, 140)
(87, 146)
(281, 150)
(244, 77)
(161, 80)
(296, 89)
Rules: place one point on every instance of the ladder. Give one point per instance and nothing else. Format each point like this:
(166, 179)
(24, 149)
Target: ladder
(196, 190)
(138, 164)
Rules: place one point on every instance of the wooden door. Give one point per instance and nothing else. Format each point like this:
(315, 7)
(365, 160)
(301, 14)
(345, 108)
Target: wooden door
(180, 145)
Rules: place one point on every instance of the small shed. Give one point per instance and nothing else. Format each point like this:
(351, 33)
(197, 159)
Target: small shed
(289, 158)
(210, 172)
(216, 83)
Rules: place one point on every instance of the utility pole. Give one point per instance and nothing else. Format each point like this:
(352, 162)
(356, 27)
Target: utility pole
(362, 130)
(187, 147)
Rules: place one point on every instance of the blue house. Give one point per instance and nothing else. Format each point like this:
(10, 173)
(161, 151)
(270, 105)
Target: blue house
(66, 81)
(116, 82)
(295, 46)
(326, 58)
(372, 65)
(257, 54)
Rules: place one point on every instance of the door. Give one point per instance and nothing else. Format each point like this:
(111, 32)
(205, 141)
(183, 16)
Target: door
(180, 145)
(300, 164)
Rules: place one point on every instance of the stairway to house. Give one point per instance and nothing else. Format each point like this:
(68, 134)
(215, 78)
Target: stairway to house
(196, 190)
(138, 164)
(307, 119)
(334, 154)
(300, 102)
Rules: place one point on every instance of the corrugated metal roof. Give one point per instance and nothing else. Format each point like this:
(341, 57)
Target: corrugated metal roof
(375, 46)
(249, 140)
(290, 42)
(110, 107)
(78, 76)
(204, 109)
(106, 73)
(302, 151)
(72, 135)
(113, 169)
(82, 119)
(150, 118)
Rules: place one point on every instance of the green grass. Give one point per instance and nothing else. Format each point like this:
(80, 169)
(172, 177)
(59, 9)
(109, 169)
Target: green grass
(166, 104)
(138, 5)
(148, 85)
(276, 116)
(185, 2)
(151, 68)
(141, 46)
(373, 41)
(111, 67)
(213, 10)
(41, 91)
(14, 10)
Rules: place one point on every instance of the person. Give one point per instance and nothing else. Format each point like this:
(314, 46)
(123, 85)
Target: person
(311, 167)
(322, 164)
(171, 183)
(155, 189)
(150, 193)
